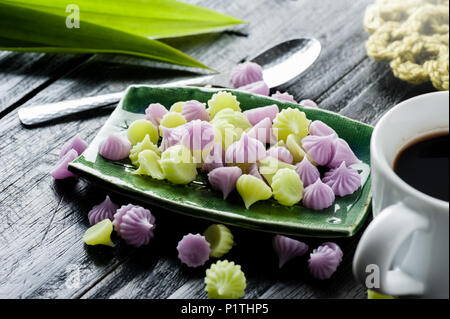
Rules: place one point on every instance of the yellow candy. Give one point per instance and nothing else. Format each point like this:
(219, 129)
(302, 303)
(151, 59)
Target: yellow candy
(146, 144)
(226, 133)
(220, 239)
(235, 118)
(252, 189)
(149, 165)
(177, 107)
(172, 119)
(287, 187)
(177, 165)
(376, 295)
(225, 280)
(290, 121)
(293, 144)
(269, 166)
(139, 129)
(99, 234)
(222, 100)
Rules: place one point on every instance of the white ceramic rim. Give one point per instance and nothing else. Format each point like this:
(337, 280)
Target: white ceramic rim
(386, 169)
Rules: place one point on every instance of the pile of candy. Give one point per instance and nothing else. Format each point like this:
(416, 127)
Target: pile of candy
(224, 279)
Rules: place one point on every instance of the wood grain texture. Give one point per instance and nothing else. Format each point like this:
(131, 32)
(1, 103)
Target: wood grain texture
(42, 221)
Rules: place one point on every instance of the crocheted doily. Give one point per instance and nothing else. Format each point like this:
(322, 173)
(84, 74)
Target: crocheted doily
(413, 35)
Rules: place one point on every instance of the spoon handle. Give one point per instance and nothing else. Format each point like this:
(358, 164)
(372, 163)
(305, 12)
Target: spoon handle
(42, 113)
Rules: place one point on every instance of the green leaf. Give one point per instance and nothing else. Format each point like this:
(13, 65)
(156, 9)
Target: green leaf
(151, 18)
(26, 29)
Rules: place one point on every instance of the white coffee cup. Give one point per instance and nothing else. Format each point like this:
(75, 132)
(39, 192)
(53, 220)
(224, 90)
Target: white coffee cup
(407, 243)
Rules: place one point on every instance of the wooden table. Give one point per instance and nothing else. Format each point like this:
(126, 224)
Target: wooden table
(42, 221)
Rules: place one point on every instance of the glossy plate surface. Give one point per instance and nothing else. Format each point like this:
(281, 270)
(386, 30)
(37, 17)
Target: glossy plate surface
(197, 199)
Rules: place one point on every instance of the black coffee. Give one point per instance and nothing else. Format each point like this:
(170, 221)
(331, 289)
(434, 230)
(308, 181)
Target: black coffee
(423, 164)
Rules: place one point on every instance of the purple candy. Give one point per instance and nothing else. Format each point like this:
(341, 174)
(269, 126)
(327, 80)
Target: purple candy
(288, 248)
(259, 87)
(155, 112)
(263, 132)
(320, 148)
(283, 97)
(104, 210)
(319, 128)
(254, 116)
(254, 171)
(337, 250)
(114, 148)
(343, 180)
(342, 153)
(214, 159)
(193, 250)
(245, 73)
(318, 196)
(194, 110)
(60, 170)
(308, 172)
(224, 179)
(195, 135)
(281, 153)
(324, 261)
(134, 224)
(246, 150)
(75, 143)
(309, 103)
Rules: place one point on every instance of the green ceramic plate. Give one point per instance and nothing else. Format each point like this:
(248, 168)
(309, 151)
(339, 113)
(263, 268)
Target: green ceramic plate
(197, 199)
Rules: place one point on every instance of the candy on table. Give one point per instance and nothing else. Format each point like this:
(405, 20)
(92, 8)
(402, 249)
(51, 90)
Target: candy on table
(193, 250)
(139, 129)
(318, 196)
(337, 250)
(225, 280)
(104, 210)
(342, 152)
(287, 188)
(263, 132)
(155, 112)
(281, 153)
(222, 100)
(99, 234)
(171, 120)
(245, 73)
(309, 103)
(114, 148)
(60, 170)
(283, 97)
(177, 107)
(75, 143)
(259, 87)
(252, 189)
(258, 114)
(320, 128)
(220, 239)
(177, 165)
(149, 165)
(376, 295)
(343, 180)
(268, 166)
(320, 148)
(254, 171)
(323, 262)
(134, 224)
(246, 150)
(224, 179)
(145, 144)
(288, 248)
(290, 121)
(194, 110)
(308, 172)
(235, 118)
(214, 158)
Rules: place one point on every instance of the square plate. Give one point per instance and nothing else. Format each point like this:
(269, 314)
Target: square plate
(197, 199)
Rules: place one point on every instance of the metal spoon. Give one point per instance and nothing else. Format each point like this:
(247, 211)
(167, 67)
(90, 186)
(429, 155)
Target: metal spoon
(281, 64)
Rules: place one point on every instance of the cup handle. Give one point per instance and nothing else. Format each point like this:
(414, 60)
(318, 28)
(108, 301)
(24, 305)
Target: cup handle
(380, 243)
